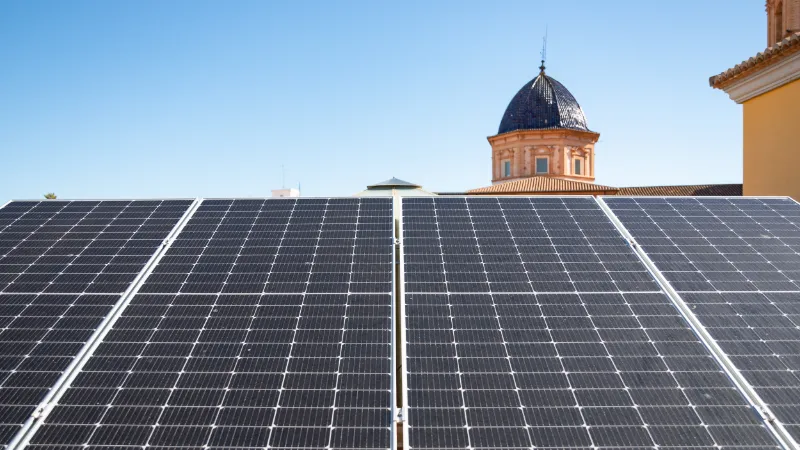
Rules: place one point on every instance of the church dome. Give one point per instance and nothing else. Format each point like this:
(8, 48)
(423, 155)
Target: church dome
(541, 104)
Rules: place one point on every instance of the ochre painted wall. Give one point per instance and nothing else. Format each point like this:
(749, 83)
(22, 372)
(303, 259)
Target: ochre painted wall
(772, 142)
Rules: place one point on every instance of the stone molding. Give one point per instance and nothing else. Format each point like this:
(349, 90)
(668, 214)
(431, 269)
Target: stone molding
(765, 80)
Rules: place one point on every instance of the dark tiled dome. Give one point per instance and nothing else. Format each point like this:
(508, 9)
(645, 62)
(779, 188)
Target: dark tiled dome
(543, 103)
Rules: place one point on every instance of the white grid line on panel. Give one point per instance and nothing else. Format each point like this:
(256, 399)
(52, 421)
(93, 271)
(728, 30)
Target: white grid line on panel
(614, 363)
(73, 231)
(183, 368)
(232, 373)
(459, 373)
(282, 389)
(49, 248)
(497, 314)
(344, 328)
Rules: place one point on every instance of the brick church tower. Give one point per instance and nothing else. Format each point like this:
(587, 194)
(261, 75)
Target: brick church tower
(783, 20)
(543, 133)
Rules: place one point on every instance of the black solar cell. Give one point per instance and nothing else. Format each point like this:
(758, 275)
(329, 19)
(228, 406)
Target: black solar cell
(736, 263)
(268, 323)
(530, 323)
(63, 267)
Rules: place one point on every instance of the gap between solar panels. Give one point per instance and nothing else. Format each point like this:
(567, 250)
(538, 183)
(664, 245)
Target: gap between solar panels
(63, 382)
(400, 424)
(742, 383)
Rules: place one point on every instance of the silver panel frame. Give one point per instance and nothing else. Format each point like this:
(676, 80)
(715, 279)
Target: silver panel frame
(29, 428)
(688, 196)
(402, 416)
(393, 426)
(121, 199)
(762, 409)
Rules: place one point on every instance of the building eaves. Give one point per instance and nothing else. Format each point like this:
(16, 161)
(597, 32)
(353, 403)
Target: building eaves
(763, 59)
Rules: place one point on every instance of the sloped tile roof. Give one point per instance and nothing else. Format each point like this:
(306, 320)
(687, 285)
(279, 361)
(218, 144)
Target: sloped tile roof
(559, 186)
(769, 56)
(732, 190)
(542, 185)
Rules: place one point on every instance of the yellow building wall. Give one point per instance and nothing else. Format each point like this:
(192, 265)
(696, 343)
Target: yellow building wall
(772, 142)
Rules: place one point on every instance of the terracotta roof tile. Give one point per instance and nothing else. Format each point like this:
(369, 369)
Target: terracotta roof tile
(543, 185)
(772, 54)
(560, 186)
(732, 190)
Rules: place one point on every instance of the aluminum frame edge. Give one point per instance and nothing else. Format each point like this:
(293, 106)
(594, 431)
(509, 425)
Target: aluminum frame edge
(402, 344)
(121, 199)
(395, 273)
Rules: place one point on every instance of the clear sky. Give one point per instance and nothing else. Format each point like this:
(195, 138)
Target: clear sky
(109, 99)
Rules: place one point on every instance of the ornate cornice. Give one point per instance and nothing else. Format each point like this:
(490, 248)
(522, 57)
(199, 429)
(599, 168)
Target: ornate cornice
(764, 62)
(558, 133)
(765, 80)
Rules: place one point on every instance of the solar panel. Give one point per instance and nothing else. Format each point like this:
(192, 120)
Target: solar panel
(63, 267)
(530, 323)
(736, 263)
(267, 324)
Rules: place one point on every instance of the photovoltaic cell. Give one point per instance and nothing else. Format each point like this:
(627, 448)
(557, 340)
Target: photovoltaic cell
(736, 263)
(530, 323)
(63, 266)
(267, 324)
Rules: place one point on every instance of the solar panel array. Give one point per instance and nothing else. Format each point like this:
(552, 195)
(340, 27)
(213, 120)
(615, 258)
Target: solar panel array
(63, 266)
(268, 323)
(530, 323)
(736, 262)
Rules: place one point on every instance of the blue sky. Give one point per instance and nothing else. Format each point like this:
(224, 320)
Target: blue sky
(194, 98)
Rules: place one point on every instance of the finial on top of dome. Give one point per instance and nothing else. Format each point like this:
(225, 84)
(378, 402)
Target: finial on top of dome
(544, 50)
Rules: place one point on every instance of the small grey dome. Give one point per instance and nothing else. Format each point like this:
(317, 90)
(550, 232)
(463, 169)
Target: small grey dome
(394, 183)
(541, 104)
